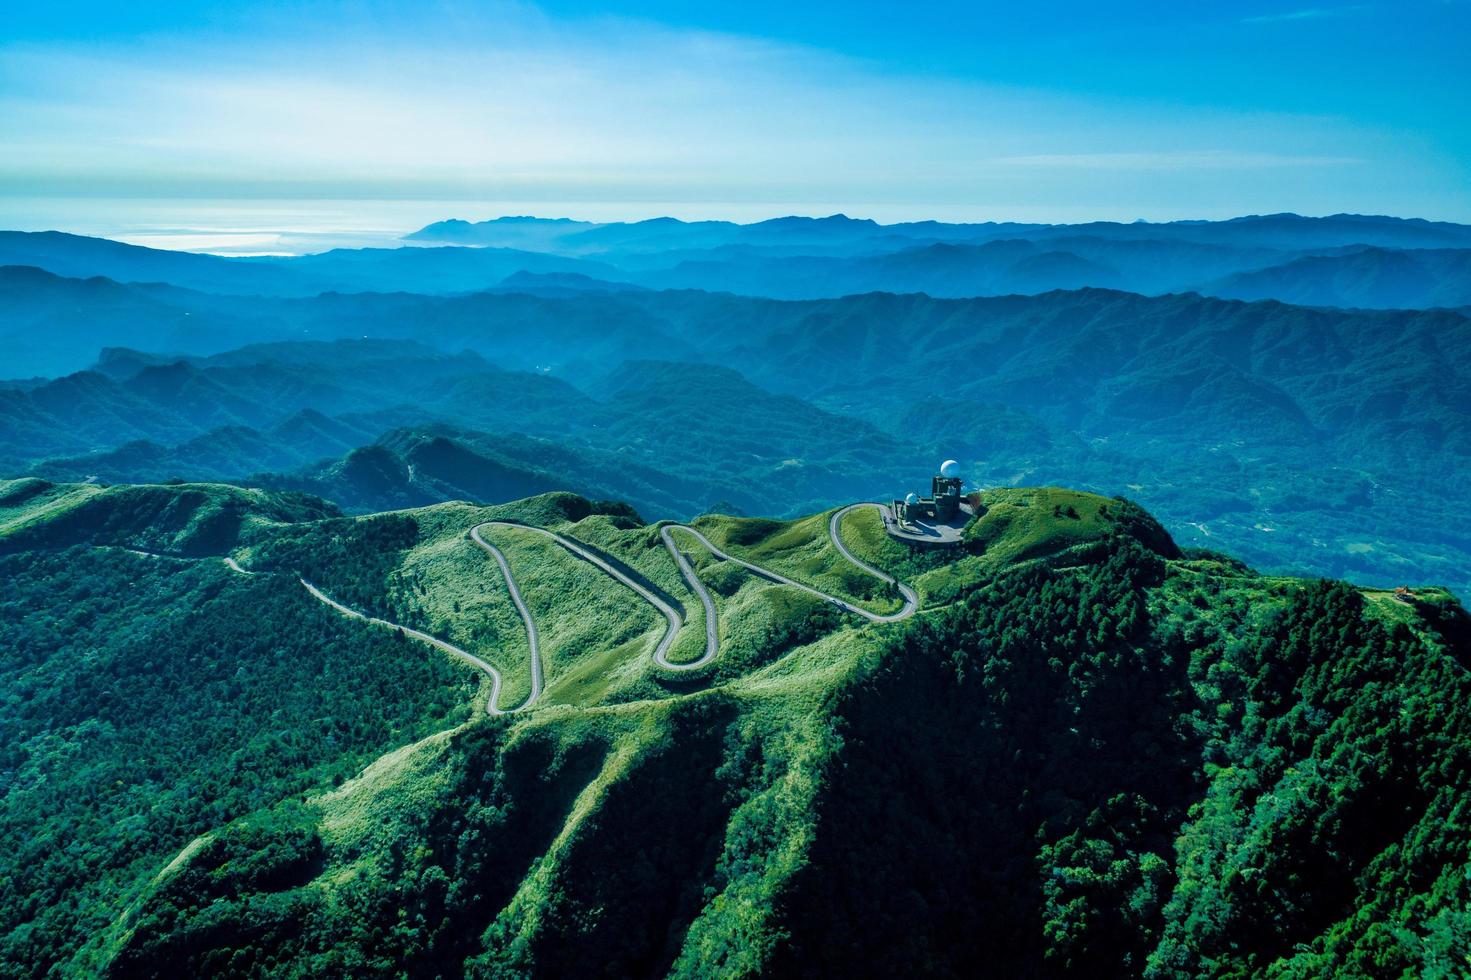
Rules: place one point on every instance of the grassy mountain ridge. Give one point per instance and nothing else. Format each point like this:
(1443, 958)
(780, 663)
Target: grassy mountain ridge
(147, 704)
(186, 519)
(413, 467)
(346, 631)
(1065, 764)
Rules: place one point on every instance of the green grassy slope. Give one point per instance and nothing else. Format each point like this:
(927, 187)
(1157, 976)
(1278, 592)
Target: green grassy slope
(187, 519)
(801, 550)
(1089, 755)
(1019, 524)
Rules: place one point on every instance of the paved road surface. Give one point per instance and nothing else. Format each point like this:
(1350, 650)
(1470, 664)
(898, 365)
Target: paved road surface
(712, 634)
(911, 599)
(492, 705)
(533, 642)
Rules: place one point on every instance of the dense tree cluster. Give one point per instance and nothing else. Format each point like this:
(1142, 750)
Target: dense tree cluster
(148, 700)
(1100, 774)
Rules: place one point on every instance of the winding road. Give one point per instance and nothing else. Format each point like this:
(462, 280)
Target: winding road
(712, 633)
(911, 598)
(673, 617)
(533, 642)
(491, 706)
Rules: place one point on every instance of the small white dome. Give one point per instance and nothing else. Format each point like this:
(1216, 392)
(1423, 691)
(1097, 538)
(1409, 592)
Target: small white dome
(950, 468)
(911, 499)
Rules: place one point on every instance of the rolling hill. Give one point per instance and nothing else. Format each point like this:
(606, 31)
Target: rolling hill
(1089, 734)
(446, 269)
(52, 325)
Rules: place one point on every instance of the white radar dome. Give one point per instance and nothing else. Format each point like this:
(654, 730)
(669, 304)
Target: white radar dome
(911, 499)
(950, 468)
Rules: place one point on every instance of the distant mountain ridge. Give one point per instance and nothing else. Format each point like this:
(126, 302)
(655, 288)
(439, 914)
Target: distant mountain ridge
(1385, 262)
(1369, 277)
(784, 366)
(446, 269)
(1272, 230)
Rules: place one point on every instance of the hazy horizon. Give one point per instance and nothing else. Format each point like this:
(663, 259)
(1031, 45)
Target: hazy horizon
(294, 227)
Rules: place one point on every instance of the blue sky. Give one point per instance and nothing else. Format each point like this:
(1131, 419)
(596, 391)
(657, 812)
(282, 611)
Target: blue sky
(1060, 111)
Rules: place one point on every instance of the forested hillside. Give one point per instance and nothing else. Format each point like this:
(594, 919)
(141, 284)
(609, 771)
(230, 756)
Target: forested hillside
(151, 698)
(1086, 753)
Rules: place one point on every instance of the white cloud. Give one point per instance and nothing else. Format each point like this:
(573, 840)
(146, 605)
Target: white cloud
(1181, 160)
(1309, 13)
(515, 106)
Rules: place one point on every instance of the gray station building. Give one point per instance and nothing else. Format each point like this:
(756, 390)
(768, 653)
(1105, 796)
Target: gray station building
(943, 503)
(934, 520)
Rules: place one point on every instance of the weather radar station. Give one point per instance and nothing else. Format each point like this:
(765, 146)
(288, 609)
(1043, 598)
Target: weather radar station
(934, 520)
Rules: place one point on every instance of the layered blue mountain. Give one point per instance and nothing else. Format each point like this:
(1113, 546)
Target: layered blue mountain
(1288, 231)
(1368, 277)
(1342, 260)
(1295, 436)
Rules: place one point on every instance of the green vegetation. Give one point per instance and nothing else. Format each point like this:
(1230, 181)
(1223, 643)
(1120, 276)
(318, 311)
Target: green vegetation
(1048, 522)
(802, 551)
(190, 519)
(150, 700)
(1090, 755)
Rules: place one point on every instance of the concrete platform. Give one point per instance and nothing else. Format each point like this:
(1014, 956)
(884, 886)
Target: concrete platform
(926, 533)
